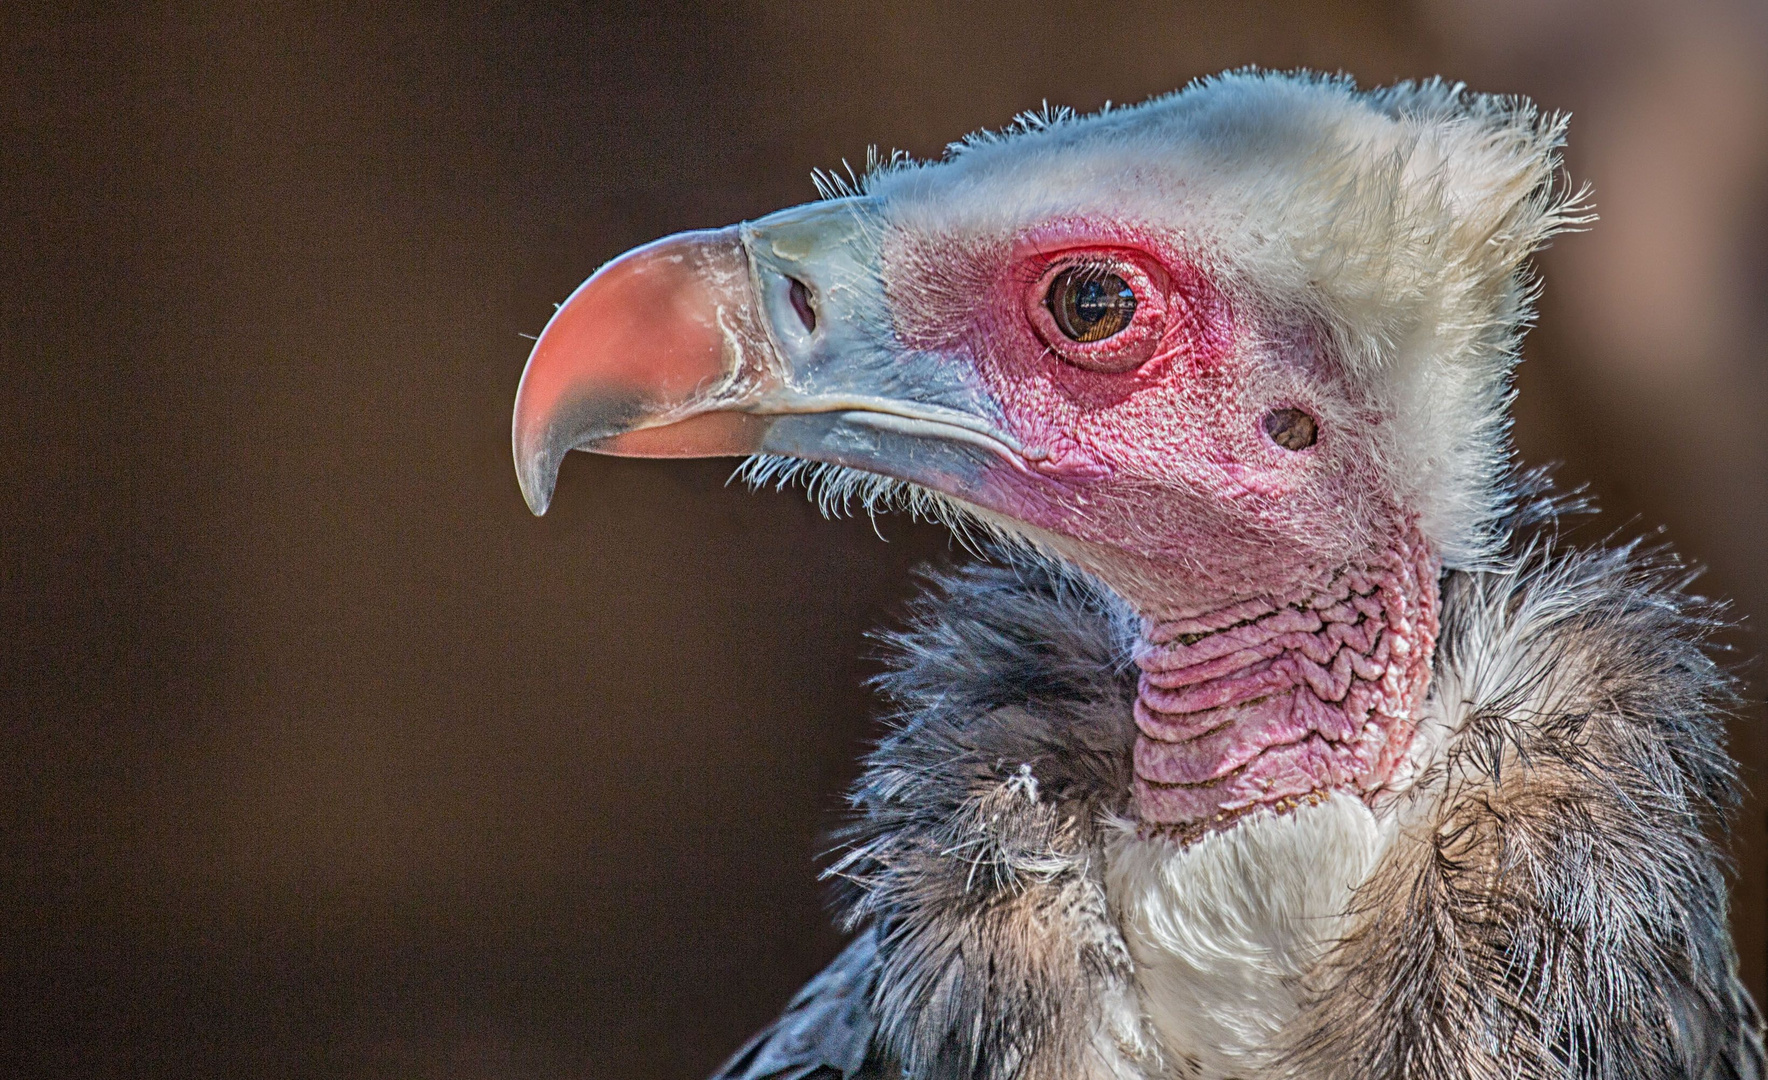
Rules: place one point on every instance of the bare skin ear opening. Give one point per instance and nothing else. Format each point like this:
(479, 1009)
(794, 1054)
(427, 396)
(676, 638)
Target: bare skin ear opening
(1292, 429)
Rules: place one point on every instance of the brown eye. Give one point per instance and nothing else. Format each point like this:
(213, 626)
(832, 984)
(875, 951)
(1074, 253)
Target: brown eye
(1090, 303)
(1292, 429)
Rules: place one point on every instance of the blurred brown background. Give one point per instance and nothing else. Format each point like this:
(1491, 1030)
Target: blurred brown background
(321, 757)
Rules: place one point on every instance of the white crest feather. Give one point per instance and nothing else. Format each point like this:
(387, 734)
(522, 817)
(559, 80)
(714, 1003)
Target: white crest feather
(1399, 221)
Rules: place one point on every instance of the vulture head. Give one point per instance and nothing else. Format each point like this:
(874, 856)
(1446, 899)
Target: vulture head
(1241, 353)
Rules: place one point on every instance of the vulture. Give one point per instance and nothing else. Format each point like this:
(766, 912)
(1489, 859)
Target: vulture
(1278, 732)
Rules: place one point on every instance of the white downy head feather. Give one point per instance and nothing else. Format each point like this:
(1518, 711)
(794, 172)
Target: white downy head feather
(1398, 220)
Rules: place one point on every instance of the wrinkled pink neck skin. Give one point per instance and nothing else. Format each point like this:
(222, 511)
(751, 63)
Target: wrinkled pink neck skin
(1278, 700)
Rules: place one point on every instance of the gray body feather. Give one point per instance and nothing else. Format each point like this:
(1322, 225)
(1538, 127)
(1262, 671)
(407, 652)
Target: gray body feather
(1555, 908)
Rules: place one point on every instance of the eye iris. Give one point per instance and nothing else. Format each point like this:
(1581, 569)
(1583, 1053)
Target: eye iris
(1090, 304)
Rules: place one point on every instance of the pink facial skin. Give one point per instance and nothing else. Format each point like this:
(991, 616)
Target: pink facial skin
(1164, 471)
(1309, 596)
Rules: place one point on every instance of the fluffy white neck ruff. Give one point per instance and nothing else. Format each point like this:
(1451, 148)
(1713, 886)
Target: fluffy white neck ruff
(1223, 929)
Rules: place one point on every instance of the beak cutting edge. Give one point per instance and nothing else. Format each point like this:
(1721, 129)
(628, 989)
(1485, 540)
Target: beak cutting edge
(653, 356)
(769, 337)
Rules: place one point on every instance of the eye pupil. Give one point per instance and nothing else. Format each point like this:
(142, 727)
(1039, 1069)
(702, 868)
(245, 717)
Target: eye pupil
(1090, 303)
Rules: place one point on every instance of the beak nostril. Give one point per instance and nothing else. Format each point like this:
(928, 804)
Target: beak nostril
(1291, 429)
(800, 295)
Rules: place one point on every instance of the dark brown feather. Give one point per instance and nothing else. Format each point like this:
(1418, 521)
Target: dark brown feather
(1555, 906)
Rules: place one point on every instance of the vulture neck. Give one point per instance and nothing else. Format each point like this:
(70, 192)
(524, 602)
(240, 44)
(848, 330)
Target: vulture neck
(1273, 701)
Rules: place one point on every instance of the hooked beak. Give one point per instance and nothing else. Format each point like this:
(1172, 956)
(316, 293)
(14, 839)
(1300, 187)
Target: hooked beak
(770, 337)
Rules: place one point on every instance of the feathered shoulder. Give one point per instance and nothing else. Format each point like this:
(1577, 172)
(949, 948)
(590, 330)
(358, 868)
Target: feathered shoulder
(1554, 906)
